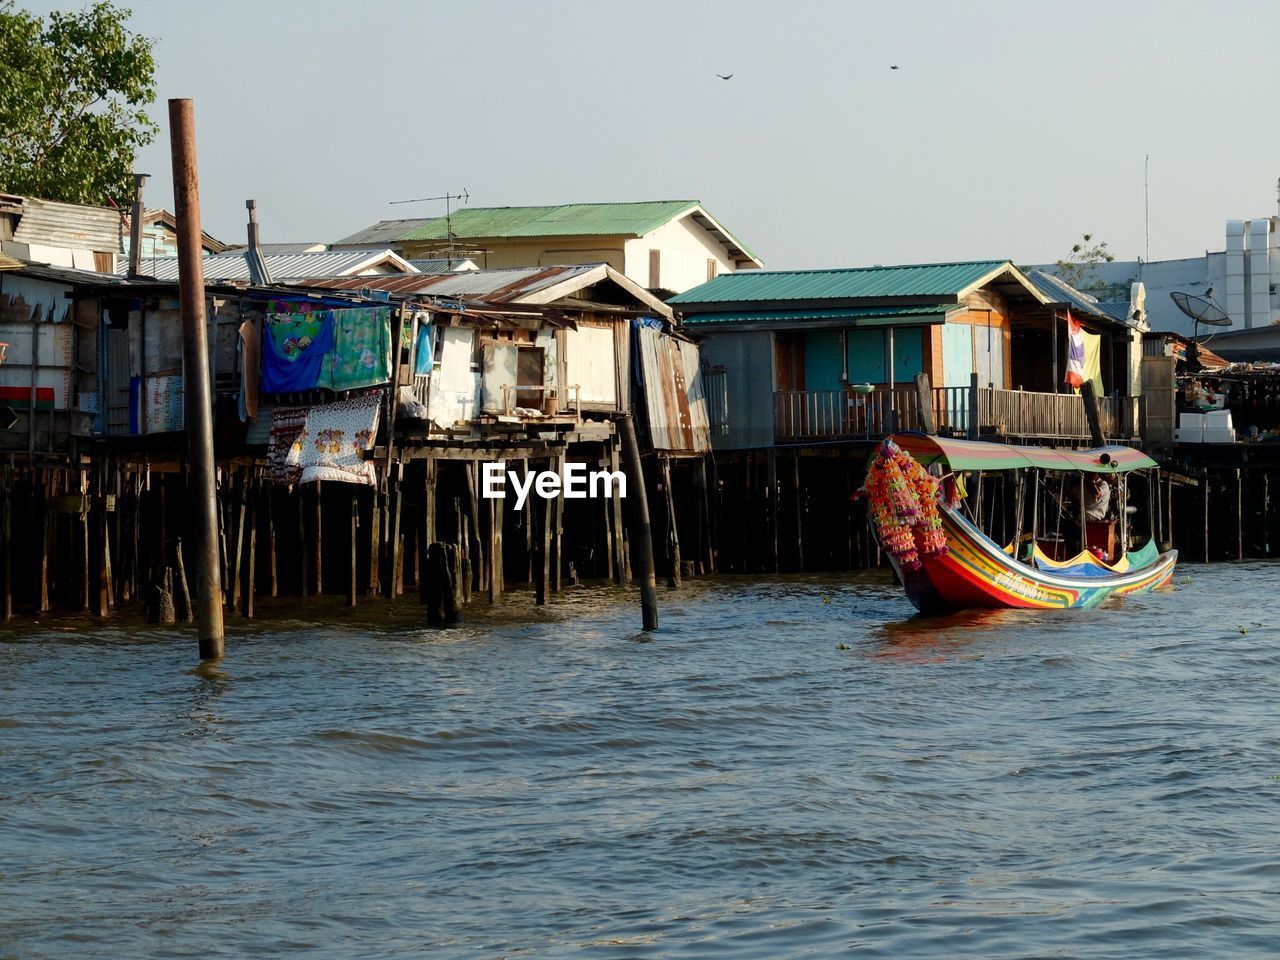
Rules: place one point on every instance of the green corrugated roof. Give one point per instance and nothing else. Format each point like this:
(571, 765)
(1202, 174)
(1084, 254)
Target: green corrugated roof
(564, 220)
(917, 280)
(862, 316)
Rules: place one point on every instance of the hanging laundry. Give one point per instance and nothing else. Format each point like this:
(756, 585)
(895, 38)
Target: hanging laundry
(294, 351)
(361, 354)
(423, 352)
(336, 437)
(284, 444)
(249, 348)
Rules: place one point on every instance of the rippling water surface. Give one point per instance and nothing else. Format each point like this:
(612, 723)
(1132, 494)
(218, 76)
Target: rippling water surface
(789, 768)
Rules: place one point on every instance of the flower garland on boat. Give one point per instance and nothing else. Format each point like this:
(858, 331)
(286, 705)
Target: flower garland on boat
(903, 501)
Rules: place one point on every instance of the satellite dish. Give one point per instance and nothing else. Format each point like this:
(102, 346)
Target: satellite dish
(1201, 310)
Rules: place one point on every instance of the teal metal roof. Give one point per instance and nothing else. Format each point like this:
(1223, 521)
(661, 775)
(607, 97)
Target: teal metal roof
(917, 280)
(858, 316)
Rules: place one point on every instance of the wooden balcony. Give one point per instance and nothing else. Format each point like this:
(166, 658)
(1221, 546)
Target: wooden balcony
(819, 415)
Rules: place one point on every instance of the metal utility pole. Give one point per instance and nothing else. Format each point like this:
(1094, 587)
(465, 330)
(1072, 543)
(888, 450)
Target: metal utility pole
(135, 226)
(197, 396)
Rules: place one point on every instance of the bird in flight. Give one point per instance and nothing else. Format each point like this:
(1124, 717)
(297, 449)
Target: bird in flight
(893, 67)
(729, 76)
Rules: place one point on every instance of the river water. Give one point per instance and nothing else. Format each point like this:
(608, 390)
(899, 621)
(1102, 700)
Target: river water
(792, 767)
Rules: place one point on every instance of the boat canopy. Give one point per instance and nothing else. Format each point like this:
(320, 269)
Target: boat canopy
(983, 455)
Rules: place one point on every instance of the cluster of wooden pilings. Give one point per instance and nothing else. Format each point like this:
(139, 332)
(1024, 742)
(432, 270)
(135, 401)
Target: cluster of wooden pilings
(109, 536)
(791, 509)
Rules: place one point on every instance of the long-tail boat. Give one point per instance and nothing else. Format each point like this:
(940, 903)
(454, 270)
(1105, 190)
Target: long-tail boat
(918, 504)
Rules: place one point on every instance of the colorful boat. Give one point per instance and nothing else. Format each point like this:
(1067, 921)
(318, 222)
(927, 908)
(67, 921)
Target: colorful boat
(947, 563)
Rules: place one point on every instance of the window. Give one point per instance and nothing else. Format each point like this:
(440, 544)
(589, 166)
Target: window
(655, 269)
(713, 268)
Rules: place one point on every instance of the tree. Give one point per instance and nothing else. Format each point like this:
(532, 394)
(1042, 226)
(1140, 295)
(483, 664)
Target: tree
(1076, 268)
(72, 95)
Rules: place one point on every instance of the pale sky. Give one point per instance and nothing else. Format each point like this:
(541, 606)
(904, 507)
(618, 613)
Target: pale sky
(1009, 128)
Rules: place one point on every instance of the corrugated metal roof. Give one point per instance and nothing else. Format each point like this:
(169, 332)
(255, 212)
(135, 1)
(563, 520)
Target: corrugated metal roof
(913, 280)
(234, 265)
(69, 225)
(563, 220)
(880, 316)
(444, 265)
(383, 232)
(67, 275)
(518, 285)
(1058, 290)
(492, 286)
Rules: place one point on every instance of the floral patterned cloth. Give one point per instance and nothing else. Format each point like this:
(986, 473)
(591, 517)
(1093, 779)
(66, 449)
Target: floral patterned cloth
(295, 351)
(361, 355)
(335, 438)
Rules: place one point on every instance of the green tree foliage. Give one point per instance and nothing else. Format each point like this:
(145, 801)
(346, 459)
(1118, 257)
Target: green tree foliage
(1076, 268)
(73, 89)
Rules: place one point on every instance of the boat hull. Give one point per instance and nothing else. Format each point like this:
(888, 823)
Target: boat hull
(976, 573)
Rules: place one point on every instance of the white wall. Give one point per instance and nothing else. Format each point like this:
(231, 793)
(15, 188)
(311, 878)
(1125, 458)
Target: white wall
(685, 249)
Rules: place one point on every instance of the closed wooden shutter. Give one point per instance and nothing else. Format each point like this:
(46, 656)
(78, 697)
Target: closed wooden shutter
(655, 269)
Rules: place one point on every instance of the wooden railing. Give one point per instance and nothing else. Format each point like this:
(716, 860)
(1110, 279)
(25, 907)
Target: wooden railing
(957, 411)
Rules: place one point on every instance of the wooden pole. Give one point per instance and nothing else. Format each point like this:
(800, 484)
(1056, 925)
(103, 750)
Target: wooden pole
(673, 533)
(251, 545)
(619, 528)
(183, 591)
(642, 538)
(1239, 516)
(799, 504)
(317, 532)
(772, 465)
(974, 425)
(242, 503)
(6, 548)
(271, 542)
(542, 567)
(397, 534)
(924, 401)
(475, 557)
(1205, 483)
(304, 551)
(196, 386)
(557, 533)
(43, 534)
(353, 584)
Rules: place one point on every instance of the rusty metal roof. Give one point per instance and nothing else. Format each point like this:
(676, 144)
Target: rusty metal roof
(492, 286)
(517, 285)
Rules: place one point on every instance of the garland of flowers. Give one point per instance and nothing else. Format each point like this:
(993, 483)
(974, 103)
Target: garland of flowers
(903, 501)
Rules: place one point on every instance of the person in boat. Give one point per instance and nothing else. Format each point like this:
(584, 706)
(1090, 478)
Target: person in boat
(1097, 499)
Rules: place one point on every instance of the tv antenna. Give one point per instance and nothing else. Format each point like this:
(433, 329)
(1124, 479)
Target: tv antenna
(1201, 310)
(448, 199)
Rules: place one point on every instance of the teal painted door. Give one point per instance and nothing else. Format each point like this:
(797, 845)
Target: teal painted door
(866, 356)
(957, 354)
(823, 365)
(988, 348)
(908, 353)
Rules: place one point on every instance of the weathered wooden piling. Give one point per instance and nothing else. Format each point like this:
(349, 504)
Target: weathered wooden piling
(198, 396)
(642, 537)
